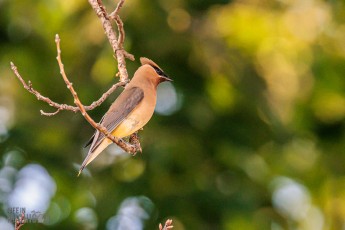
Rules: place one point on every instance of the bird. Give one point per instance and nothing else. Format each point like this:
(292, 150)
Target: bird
(131, 110)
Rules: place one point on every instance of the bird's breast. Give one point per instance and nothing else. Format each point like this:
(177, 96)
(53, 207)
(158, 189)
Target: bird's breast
(137, 118)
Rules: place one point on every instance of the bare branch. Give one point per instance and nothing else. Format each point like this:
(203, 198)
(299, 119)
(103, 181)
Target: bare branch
(125, 146)
(28, 87)
(104, 96)
(116, 44)
(60, 107)
(120, 54)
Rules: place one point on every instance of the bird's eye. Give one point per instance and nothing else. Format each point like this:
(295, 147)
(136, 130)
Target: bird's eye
(158, 70)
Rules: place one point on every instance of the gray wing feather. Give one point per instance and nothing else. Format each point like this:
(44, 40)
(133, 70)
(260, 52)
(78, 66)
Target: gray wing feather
(117, 112)
(93, 136)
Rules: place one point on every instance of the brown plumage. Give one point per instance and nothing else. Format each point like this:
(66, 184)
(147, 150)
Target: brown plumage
(131, 110)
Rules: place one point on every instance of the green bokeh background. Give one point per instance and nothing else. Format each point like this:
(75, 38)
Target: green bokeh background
(261, 108)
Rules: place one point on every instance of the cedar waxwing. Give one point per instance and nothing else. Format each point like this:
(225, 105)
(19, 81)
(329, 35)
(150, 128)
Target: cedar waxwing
(131, 110)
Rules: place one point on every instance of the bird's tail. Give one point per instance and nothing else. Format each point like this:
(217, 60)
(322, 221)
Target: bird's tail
(92, 155)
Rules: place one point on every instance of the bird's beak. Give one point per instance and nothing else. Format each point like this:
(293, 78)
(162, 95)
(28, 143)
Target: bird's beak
(164, 78)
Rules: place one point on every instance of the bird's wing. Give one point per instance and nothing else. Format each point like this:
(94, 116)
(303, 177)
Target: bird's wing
(118, 111)
(89, 141)
(93, 136)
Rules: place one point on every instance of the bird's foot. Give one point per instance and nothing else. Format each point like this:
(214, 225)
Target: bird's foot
(134, 140)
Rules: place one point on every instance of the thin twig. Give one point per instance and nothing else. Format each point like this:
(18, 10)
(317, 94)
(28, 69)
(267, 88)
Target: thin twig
(125, 146)
(18, 223)
(60, 107)
(50, 114)
(121, 38)
(118, 7)
(115, 15)
(168, 225)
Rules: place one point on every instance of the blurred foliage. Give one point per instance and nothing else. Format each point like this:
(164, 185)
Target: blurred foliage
(256, 139)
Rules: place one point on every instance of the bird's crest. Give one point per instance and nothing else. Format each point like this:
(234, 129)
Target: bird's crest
(144, 61)
(159, 71)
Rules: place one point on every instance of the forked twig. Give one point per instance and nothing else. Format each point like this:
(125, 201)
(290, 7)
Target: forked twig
(116, 43)
(60, 107)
